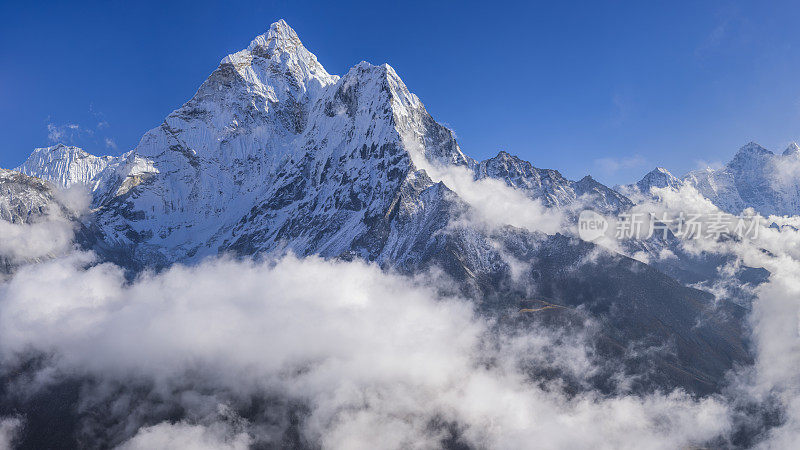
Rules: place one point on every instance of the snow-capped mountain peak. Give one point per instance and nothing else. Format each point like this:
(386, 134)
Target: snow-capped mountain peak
(64, 165)
(754, 178)
(792, 150)
(274, 152)
(279, 37)
(279, 55)
(271, 151)
(658, 178)
(752, 149)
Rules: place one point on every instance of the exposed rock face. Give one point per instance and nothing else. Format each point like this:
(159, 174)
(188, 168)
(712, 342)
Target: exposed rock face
(550, 186)
(24, 199)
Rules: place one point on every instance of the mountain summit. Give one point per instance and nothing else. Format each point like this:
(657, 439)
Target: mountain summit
(64, 165)
(272, 152)
(792, 149)
(278, 66)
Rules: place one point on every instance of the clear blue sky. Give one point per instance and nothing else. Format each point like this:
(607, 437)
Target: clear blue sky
(609, 89)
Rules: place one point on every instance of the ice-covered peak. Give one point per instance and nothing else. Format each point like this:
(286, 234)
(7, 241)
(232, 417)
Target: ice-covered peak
(658, 178)
(64, 165)
(279, 37)
(752, 148)
(279, 51)
(660, 172)
(792, 150)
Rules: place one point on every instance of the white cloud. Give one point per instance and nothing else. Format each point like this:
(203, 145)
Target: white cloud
(92, 137)
(186, 436)
(493, 203)
(785, 174)
(775, 316)
(45, 235)
(29, 241)
(54, 134)
(66, 133)
(378, 358)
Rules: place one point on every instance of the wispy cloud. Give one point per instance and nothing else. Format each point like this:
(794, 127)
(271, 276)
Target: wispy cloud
(91, 137)
(67, 133)
(730, 29)
(102, 123)
(9, 427)
(623, 107)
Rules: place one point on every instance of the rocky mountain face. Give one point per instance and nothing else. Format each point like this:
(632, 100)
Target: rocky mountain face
(24, 199)
(274, 154)
(550, 186)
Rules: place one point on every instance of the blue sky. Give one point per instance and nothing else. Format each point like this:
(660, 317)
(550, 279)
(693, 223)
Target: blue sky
(611, 89)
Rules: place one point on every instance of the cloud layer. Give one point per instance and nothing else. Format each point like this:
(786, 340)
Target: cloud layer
(375, 359)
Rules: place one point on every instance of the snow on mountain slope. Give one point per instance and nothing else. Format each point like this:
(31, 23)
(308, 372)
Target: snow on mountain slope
(64, 165)
(755, 177)
(271, 151)
(593, 194)
(23, 198)
(658, 178)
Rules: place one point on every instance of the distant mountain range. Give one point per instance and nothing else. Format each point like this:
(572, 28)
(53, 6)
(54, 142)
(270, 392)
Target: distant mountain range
(755, 178)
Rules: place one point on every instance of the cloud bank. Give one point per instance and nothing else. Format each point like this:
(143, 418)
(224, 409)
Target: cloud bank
(373, 360)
